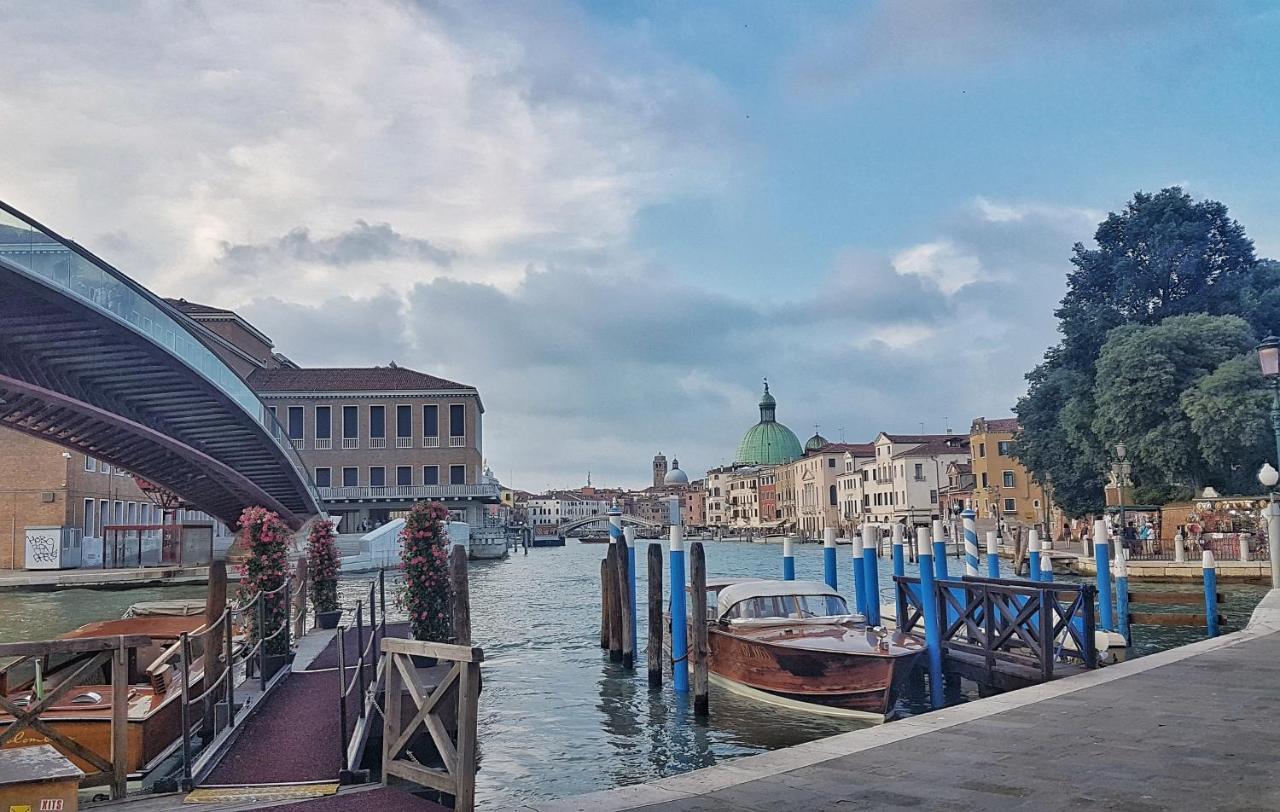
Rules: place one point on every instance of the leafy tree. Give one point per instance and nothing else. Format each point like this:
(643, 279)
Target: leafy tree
(1228, 410)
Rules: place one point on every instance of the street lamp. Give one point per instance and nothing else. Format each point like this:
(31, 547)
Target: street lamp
(1269, 476)
(1269, 361)
(1120, 469)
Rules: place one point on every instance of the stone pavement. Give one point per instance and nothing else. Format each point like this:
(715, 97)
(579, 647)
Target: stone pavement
(1196, 727)
(124, 578)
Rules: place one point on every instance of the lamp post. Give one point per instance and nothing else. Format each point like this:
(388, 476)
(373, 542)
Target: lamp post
(1269, 476)
(1120, 470)
(1269, 361)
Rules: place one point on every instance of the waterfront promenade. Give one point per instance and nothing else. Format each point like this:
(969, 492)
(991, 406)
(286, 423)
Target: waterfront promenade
(121, 578)
(1195, 727)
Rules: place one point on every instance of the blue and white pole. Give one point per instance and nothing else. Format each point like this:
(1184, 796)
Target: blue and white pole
(939, 550)
(829, 557)
(1210, 592)
(932, 626)
(788, 559)
(1033, 553)
(871, 571)
(679, 614)
(859, 571)
(970, 544)
(629, 536)
(899, 561)
(1046, 568)
(1102, 560)
(1122, 599)
(993, 555)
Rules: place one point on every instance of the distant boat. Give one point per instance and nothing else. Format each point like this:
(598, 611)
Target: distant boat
(594, 540)
(796, 643)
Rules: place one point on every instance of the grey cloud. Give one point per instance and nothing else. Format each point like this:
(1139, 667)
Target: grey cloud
(361, 243)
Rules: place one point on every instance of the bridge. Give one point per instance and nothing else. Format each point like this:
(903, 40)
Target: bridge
(94, 362)
(569, 527)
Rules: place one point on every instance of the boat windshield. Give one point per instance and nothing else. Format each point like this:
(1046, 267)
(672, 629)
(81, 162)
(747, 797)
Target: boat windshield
(788, 606)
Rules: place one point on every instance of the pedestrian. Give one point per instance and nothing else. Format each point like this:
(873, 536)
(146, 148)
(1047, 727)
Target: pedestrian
(1084, 540)
(1144, 537)
(1128, 538)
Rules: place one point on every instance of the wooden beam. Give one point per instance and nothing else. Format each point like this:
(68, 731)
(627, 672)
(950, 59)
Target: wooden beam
(41, 647)
(1168, 618)
(441, 651)
(120, 720)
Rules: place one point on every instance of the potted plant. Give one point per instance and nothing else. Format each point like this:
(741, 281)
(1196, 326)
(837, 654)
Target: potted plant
(424, 552)
(322, 569)
(264, 570)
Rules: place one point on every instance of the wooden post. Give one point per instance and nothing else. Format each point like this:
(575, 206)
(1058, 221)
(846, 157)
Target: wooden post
(120, 720)
(698, 610)
(604, 604)
(215, 606)
(615, 618)
(624, 607)
(391, 719)
(654, 649)
(468, 705)
(300, 628)
(460, 596)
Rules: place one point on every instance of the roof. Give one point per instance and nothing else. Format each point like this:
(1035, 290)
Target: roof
(768, 443)
(953, 444)
(197, 309)
(996, 425)
(735, 593)
(961, 467)
(856, 449)
(915, 438)
(348, 379)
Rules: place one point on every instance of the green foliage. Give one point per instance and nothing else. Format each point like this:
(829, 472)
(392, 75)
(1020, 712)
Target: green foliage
(323, 565)
(1228, 412)
(1171, 296)
(424, 551)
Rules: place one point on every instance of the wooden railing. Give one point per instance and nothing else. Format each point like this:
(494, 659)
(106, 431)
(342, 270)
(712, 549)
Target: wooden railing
(460, 687)
(364, 685)
(1019, 625)
(115, 650)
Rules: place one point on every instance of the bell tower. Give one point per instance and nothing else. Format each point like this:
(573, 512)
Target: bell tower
(659, 469)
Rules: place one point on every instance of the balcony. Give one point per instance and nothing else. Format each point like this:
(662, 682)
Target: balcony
(430, 442)
(350, 442)
(323, 443)
(408, 492)
(404, 442)
(377, 442)
(299, 443)
(457, 442)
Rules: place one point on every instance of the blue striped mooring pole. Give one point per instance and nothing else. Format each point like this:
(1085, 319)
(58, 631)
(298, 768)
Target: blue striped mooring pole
(871, 571)
(1102, 560)
(829, 557)
(1046, 569)
(899, 561)
(970, 544)
(1122, 598)
(929, 606)
(993, 554)
(679, 614)
(1211, 592)
(1033, 553)
(629, 536)
(788, 559)
(939, 550)
(859, 571)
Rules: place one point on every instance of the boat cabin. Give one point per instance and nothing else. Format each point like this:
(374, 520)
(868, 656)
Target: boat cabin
(786, 601)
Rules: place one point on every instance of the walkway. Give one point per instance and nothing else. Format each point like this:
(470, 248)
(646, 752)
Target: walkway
(1191, 728)
(122, 578)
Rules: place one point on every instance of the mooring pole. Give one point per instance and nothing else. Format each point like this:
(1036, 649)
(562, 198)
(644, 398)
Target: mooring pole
(627, 615)
(829, 557)
(653, 650)
(858, 569)
(699, 620)
(939, 551)
(1122, 599)
(1033, 551)
(932, 627)
(1046, 569)
(629, 536)
(899, 564)
(993, 555)
(970, 544)
(679, 613)
(871, 576)
(1102, 560)
(788, 559)
(604, 603)
(615, 614)
(1210, 592)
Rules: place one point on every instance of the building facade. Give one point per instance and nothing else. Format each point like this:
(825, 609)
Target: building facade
(1002, 485)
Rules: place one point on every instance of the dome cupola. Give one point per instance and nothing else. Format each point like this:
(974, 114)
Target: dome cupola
(768, 442)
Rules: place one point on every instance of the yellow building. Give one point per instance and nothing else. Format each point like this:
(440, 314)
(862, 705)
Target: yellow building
(1001, 484)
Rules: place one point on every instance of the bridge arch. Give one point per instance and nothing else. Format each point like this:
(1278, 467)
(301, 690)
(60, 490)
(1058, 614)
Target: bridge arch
(627, 518)
(94, 362)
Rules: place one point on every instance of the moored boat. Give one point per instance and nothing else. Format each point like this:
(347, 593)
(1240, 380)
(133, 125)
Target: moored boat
(797, 642)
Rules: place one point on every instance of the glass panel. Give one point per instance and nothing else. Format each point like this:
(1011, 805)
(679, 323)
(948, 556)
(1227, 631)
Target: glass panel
(377, 421)
(457, 474)
(430, 475)
(457, 428)
(324, 427)
(430, 421)
(350, 422)
(295, 422)
(404, 421)
(378, 476)
(404, 475)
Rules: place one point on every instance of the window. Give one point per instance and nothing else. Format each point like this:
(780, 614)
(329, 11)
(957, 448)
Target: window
(350, 477)
(295, 422)
(831, 462)
(377, 476)
(832, 495)
(1008, 479)
(457, 475)
(431, 421)
(104, 515)
(275, 426)
(919, 470)
(131, 513)
(1010, 506)
(984, 479)
(324, 422)
(431, 475)
(933, 497)
(378, 421)
(88, 517)
(350, 424)
(89, 464)
(324, 477)
(404, 426)
(404, 475)
(1004, 447)
(457, 425)
(982, 449)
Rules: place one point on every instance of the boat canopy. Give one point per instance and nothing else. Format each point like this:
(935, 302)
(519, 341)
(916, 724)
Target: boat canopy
(736, 593)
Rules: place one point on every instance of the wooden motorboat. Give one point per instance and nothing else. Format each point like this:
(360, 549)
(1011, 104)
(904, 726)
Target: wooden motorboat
(84, 713)
(797, 642)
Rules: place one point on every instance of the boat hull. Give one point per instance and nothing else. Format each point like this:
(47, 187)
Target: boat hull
(864, 682)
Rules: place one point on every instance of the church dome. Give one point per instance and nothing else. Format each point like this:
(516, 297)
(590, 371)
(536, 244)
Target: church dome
(675, 476)
(768, 442)
(815, 443)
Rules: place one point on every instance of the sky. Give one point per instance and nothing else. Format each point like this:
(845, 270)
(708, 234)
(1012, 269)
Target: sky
(615, 219)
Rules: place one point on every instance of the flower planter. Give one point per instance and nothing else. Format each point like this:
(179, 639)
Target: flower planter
(328, 620)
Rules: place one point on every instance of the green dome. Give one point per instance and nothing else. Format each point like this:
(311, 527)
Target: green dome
(816, 442)
(768, 442)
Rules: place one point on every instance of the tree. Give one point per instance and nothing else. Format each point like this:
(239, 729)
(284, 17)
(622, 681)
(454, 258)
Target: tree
(1228, 412)
(424, 551)
(323, 566)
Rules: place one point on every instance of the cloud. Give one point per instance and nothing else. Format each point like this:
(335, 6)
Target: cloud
(939, 262)
(362, 243)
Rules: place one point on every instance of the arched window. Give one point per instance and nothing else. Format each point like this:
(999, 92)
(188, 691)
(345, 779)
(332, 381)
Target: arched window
(832, 496)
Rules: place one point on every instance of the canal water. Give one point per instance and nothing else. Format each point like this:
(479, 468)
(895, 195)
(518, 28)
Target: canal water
(556, 718)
